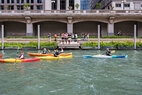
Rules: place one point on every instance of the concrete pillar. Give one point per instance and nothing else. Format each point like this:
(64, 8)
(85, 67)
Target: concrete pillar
(38, 36)
(29, 30)
(2, 36)
(70, 28)
(135, 36)
(47, 4)
(99, 31)
(67, 4)
(110, 29)
(58, 4)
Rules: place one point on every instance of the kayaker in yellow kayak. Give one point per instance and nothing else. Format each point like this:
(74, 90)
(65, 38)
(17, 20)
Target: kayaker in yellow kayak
(21, 56)
(108, 53)
(62, 51)
(56, 54)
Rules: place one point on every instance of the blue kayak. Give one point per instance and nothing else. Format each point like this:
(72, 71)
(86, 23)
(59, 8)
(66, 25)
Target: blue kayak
(104, 56)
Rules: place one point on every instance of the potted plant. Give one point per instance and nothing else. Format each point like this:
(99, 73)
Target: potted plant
(70, 7)
(77, 6)
(27, 8)
(98, 5)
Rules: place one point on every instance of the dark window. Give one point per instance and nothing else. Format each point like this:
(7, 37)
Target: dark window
(54, 4)
(63, 4)
(71, 3)
(117, 5)
(39, 7)
(1, 7)
(28, 1)
(32, 1)
(32, 7)
(8, 1)
(126, 5)
(10, 7)
(22, 1)
(12, 1)
(18, 1)
(39, 1)
(2, 1)
(18, 8)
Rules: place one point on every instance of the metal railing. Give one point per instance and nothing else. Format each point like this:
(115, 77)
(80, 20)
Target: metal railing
(71, 11)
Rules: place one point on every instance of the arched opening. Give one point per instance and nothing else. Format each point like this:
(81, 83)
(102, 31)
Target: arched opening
(126, 28)
(13, 29)
(90, 27)
(50, 27)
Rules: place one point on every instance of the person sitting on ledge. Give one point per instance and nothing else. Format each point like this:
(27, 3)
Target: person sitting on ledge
(44, 51)
(56, 54)
(108, 53)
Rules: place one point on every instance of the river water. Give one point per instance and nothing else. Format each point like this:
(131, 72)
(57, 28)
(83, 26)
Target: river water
(76, 76)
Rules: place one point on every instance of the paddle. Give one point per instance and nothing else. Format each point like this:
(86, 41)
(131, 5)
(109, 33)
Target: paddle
(48, 50)
(113, 51)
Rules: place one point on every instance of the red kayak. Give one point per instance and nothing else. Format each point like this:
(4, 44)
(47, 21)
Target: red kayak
(1, 56)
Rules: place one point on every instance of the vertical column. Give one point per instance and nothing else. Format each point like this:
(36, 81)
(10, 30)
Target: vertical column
(2, 35)
(70, 28)
(110, 29)
(38, 36)
(67, 4)
(99, 30)
(135, 36)
(48, 5)
(29, 30)
(58, 4)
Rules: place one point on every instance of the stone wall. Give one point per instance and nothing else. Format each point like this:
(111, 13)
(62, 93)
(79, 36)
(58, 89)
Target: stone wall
(51, 27)
(90, 27)
(126, 28)
(14, 29)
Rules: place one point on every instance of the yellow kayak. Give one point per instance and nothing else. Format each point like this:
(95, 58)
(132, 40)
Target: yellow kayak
(11, 60)
(51, 57)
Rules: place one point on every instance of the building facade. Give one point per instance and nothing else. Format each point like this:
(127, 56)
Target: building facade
(127, 4)
(39, 4)
(85, 4)
(54, 17)
(100, 4)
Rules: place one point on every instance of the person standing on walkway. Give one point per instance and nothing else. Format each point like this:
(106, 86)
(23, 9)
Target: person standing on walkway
(62, 37)
(88, 36)
(69, 38)
(55, 36)
(66, 37)
(49, 36)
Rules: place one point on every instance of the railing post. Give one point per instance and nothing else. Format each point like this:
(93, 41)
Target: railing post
(135, 36)
(38, 36)
(98, 36)
(2, 35)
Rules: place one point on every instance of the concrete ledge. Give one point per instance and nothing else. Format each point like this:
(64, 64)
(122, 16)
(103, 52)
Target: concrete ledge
(11, 48)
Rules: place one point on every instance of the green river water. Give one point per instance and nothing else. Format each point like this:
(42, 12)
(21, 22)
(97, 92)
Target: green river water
(76, 76)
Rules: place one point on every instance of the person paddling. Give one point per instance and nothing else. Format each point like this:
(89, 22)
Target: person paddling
(108, 53)
(21, 56)
(62, 51)
(56, 54)
(44, 51)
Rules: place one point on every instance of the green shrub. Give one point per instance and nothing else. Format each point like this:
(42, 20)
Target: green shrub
(117, 37)
(30, 44)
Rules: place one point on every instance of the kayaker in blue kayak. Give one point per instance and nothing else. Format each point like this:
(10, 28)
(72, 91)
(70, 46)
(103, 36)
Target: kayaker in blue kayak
(21, 56)
(44, 51)
(56, 54)
(108, 53)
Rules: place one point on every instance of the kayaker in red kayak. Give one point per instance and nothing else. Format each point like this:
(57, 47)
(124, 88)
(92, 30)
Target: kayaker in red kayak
(21, 56)
(108, 53)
